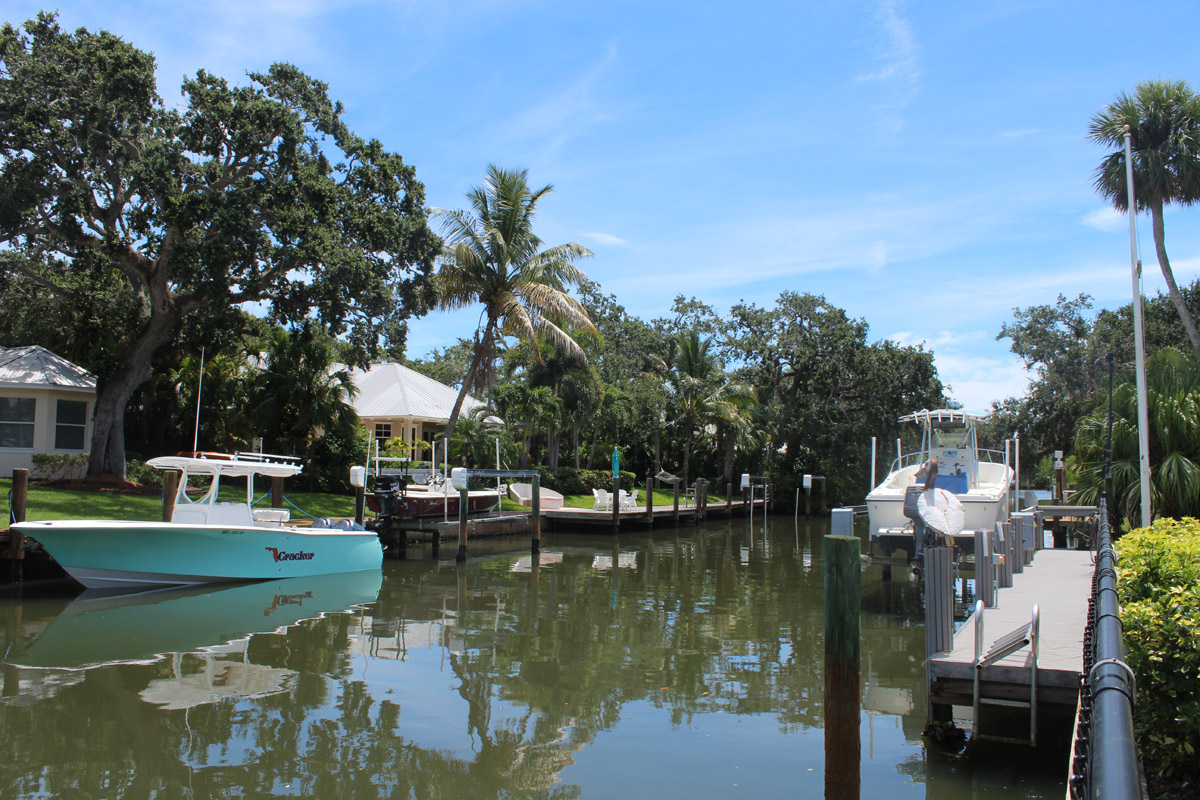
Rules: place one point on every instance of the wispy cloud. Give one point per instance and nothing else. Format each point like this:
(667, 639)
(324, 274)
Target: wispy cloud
(898, 66)
(604, 238)
(1105, 219)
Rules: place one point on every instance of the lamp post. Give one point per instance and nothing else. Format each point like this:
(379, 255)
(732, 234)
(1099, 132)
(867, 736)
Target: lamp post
(1108, 359)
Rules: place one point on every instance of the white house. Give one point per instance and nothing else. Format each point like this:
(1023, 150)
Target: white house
(46, 406)
(396, 402)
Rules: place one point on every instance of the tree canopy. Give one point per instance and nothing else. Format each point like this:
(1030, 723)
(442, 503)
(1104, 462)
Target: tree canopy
(249, 194)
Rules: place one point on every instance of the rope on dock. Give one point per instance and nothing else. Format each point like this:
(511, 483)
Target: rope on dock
(298, 508)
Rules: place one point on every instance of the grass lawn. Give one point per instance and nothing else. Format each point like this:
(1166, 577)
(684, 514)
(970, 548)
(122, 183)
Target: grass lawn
(47, 503)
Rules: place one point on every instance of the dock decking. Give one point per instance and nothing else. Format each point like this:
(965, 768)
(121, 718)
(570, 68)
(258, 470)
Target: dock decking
(1059, 581)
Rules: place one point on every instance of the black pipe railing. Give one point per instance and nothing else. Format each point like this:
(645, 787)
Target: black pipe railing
(1105, 762)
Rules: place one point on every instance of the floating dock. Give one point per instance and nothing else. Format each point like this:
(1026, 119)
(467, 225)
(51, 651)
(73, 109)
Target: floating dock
(1059, 582)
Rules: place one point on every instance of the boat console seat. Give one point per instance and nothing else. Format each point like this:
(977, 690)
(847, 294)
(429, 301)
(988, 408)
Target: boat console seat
(955, 484)
(271, 516)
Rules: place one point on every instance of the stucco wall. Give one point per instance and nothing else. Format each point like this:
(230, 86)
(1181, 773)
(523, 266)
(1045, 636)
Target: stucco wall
(44, 424)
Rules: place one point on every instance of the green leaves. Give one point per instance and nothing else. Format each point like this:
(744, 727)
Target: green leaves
(1159, 585)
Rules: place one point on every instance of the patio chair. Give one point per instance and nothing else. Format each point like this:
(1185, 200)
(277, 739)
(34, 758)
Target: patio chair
(603, 500)
(629, 501)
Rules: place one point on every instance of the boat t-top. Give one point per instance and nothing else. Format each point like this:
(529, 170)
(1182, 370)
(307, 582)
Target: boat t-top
(980, 479)
(208, 540)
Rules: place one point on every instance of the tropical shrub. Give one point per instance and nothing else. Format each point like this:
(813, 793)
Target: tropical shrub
(59, 466)
(141, 472)
(569, 481)
(1159, 585)
(1173, 412)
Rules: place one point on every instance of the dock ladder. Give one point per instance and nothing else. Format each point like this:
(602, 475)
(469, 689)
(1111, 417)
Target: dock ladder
(1026, 635)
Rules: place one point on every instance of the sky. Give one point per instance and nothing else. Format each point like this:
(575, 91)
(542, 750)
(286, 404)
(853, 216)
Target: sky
(923, 166)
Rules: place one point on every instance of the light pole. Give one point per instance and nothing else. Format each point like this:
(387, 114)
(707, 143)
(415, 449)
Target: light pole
(1108, 359)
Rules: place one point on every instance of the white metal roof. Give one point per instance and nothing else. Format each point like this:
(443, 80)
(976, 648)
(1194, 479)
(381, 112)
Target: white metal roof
(35, 366)
(393, 390)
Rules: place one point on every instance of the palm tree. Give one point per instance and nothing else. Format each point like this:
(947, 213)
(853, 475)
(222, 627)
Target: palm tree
(698, 391)
(1163, 118)
(1173, 406)
(493, 257)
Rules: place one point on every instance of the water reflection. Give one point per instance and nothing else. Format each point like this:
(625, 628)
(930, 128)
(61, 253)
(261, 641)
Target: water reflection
(692, 669)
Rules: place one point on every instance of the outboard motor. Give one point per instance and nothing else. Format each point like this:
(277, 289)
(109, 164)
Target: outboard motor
(387, 494)
(920, 529)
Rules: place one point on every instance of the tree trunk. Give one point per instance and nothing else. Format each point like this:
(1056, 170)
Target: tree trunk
(108, 421)
(481, 347)
(575, 431)
(1189, 325)
(552, 447)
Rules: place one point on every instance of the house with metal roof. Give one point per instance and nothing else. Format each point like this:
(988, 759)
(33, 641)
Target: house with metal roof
(46, 406)
(396, 402)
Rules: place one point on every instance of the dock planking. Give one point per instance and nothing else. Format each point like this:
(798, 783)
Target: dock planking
(1059, 581)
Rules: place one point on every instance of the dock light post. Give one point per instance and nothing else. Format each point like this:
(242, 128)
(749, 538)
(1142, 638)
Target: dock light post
(1108, 359)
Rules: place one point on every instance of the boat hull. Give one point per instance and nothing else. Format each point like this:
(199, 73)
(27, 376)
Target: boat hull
(108, 554)
(435, 504)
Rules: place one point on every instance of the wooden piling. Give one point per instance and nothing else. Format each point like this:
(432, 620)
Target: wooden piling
(462, 526)
(616, 503)
(360, 502)
(20, 494)
(535, 516)
(939, 599)
(843, 592)
(698, 510)
(276, 491)
(729, 499)
(675, 516)
(170, 491)
(650, 502)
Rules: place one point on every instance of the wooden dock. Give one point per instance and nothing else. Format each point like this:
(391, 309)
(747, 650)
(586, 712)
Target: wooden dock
(594, 521)
(1059, 581)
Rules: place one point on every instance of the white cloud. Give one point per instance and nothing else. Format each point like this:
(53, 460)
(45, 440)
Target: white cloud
(604, 238)
(899, 68)
(1105, 219)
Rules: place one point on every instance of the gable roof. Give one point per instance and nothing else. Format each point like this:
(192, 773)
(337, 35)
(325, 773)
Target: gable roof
(394, 390)
(35, 366)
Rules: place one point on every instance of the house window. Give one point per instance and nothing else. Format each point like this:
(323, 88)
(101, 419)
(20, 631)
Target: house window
(16, 422)
(383, 432)
(70, 424)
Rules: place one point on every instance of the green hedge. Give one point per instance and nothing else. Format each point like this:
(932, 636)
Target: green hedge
(568, 480)
(1159, 585)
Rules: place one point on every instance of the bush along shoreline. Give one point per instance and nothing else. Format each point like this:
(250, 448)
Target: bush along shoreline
(1159, 586)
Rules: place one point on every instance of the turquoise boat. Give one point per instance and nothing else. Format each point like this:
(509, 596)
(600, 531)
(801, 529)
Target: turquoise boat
(206, 541)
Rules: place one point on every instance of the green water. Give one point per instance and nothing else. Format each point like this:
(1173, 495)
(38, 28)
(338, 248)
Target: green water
(693, 669)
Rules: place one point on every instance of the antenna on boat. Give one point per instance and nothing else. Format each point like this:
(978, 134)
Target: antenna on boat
(199, 389)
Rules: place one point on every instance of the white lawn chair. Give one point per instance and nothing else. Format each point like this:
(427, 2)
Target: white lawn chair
(603, 500)
(629, 501)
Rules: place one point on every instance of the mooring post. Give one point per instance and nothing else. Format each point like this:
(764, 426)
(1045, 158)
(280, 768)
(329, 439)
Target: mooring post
(675, 515)
(276, 492)
(808, 500)
(616, 502)
(985, 588)
(1005, 573)
(843, 592)
(16, 540)
(170, 491)
(360, 502)
(535, 515)
(462, 526)
(729, 499)
(698, 511)
(650, 502)
(939, 599)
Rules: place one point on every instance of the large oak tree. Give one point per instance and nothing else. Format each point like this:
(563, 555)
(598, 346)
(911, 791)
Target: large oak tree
(254, 194)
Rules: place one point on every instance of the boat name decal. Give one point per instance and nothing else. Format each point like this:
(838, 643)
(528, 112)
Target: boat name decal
(283, 555)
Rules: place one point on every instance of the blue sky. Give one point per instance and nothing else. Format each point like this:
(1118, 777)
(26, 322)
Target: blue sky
(922, 165)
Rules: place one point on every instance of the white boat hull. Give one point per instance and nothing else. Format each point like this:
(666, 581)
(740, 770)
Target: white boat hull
(109, 554)
(984, 505)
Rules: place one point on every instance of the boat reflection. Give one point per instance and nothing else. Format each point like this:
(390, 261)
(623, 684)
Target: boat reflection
(98, 628)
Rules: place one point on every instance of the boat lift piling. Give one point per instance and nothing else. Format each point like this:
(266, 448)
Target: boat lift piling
(170, 490)
(843, 593)
(460, 478)
(16, 539)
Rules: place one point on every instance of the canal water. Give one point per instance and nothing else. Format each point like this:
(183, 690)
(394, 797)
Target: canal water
(675, 663)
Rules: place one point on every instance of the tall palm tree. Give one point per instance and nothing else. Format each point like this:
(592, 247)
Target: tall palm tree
(1163, 118)
(493, 257)
(1173, 406)
(698, 391)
